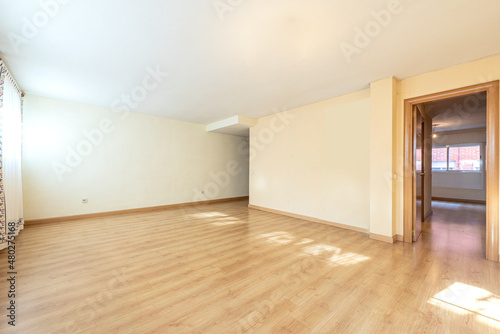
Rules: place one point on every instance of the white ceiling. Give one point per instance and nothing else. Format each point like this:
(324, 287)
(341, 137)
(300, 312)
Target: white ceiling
(260, 57)
(458, 113)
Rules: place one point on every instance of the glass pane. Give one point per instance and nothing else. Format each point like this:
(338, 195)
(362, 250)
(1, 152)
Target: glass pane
(439, 158)
(418, 158)
(465, 158)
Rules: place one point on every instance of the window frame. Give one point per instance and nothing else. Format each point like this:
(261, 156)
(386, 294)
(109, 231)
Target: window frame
(448, 170)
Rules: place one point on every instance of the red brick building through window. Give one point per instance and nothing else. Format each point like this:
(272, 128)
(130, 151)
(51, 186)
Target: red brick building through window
(456, 158)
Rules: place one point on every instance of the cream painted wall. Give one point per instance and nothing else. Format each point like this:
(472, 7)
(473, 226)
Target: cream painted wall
(124, 160)
(315, 160)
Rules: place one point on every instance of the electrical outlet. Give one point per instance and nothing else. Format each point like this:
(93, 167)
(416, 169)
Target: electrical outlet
(85, 200)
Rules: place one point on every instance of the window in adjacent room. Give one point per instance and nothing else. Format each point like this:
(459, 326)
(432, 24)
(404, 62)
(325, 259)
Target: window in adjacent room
(464, 157)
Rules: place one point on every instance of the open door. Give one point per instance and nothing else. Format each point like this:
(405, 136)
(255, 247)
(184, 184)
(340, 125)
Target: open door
(492, 159)
(419, 171)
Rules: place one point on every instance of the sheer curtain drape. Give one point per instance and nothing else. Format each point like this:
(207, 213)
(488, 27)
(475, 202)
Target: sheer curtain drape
(11, 195)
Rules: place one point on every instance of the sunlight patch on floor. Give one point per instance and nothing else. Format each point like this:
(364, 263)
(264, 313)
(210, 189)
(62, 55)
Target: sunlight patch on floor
(280, 237)
(469, 298)
(448, 307)
(347, 259)
(320, 249)
(208, 215)
(325, 252)
(334, 255)
(225, 222)
(304, 241)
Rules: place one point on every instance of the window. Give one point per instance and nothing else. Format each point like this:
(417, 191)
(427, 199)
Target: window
(465, 158)
(439, 158)
(457, 157)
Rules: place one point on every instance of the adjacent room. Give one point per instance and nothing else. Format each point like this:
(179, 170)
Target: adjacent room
(249, 167)
(451, 186)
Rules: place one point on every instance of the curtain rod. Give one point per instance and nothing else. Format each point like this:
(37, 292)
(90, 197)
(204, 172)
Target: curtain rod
(11, 77)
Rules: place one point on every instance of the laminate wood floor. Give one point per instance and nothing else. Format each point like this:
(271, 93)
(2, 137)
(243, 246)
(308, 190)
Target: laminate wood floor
(224, 268)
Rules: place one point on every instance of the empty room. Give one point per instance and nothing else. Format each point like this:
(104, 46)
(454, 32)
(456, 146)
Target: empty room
(230, 166)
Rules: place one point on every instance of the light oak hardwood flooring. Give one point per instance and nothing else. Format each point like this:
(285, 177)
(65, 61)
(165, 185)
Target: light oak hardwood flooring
(224, 268)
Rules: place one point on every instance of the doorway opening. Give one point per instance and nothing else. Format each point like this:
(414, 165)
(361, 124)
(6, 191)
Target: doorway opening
(446, 144)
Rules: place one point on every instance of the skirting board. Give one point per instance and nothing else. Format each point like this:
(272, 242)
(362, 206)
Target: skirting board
(458, 200)
(138, 210)
(384, 238)
(311, 219)
(428, 215)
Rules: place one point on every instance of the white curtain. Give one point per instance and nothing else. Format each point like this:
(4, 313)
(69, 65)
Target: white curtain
(11, 196)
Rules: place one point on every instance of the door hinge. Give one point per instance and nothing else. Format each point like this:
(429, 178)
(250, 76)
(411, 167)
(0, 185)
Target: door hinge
(414, 233)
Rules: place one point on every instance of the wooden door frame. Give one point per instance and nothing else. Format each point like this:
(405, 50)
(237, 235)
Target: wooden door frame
(492, 160)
